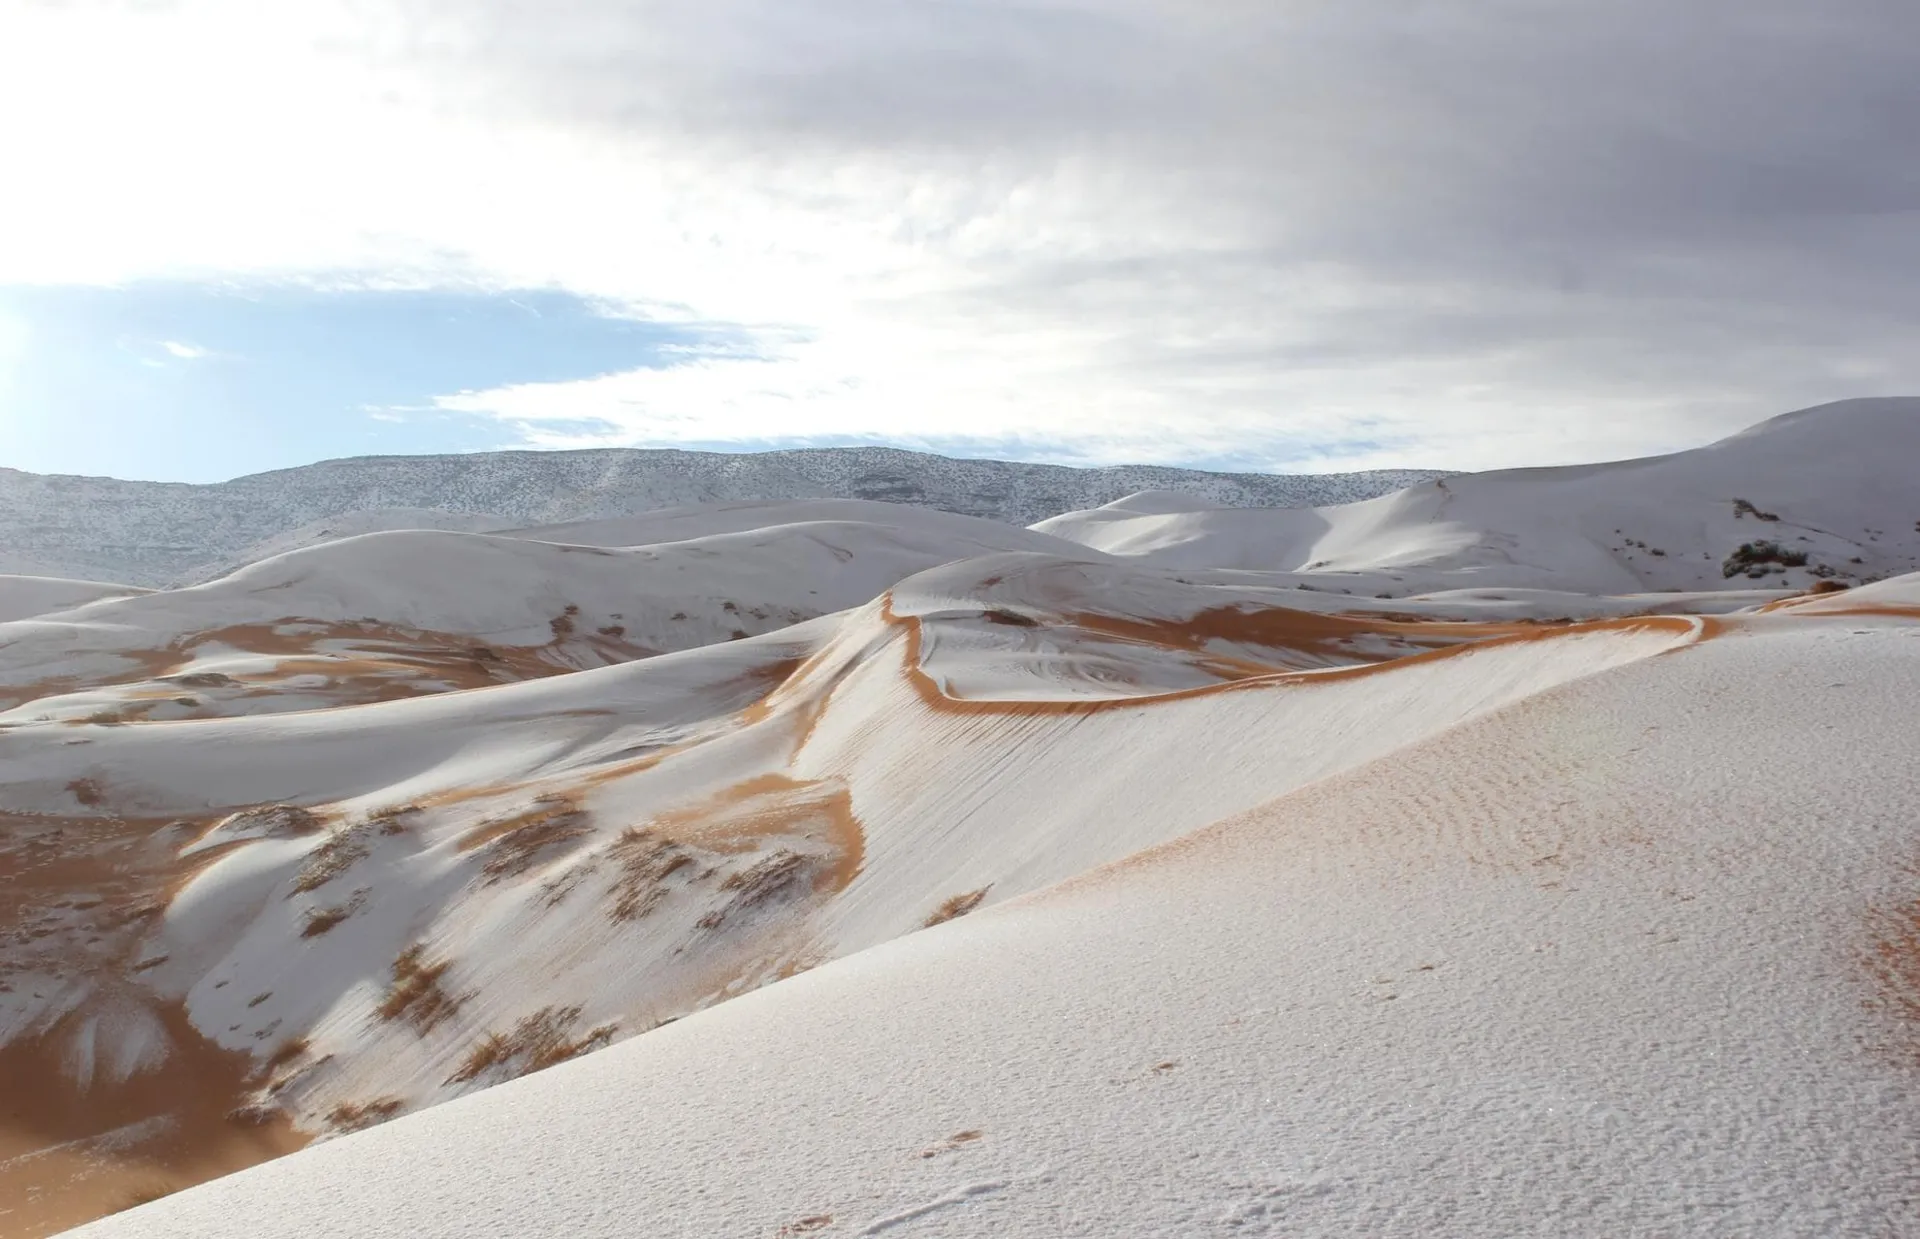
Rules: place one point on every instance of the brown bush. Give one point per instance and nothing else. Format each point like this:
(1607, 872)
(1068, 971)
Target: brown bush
(416, 994)
(359, 1115)
(646, 861)
(514, 843)
(773, 876)
(320, 920)
(340, 852)
(957, 906)
(537, 1042)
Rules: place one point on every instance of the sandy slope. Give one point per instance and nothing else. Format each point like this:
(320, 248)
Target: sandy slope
(1631, 956)
(374, 825)
(1833, 483)
(479, 883)
(401, 613)
(23, 597)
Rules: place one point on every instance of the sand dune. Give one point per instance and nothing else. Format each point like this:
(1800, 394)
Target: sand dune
(933, 875)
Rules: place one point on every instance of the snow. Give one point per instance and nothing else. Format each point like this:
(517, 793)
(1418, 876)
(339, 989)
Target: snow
(1837, 482)
(1176, 885)
(164, 534)
(1590, 963)
(23, 597)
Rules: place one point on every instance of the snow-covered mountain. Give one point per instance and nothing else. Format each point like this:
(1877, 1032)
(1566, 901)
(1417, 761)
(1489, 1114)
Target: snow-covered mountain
(159, 534)
(1427, 865)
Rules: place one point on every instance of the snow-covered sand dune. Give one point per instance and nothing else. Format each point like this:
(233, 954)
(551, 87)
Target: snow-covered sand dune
(1822, 493)
(23, 597)
(1283, 907)
(1631, 955)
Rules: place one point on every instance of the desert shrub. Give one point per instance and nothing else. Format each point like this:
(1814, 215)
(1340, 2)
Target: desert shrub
(287, 1053)
(774, 876)
(513, 844)
(320, 920)
(957, 906)
(537, 1042)
(340, 852)
(358, 1115)
(646, 861)
(1758, 558)
(416, 994)
(1741, 508)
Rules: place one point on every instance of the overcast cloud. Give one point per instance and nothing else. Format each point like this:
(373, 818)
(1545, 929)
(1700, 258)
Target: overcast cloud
(1282, 233)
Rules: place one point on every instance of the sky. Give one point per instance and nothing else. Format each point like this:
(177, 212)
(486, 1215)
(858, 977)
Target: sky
(1262, 234)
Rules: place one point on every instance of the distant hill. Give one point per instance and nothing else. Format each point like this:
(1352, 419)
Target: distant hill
(160, 533)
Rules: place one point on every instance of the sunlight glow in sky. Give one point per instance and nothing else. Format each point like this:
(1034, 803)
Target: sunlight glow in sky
(1307, 236)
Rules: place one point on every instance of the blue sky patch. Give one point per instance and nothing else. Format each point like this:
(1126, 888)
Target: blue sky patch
(188, 382)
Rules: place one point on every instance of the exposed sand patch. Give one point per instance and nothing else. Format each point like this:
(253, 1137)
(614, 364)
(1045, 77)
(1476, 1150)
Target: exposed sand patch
(1442, 639)
(742, 816)
(351, 663)
(68, 1155)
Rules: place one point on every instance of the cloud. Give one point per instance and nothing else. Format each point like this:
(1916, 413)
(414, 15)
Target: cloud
(1511, 232)
(185, 352)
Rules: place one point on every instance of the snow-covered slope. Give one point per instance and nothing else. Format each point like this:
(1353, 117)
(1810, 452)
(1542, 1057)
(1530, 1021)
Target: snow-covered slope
(1824, 492)
(379, 823)
(405, 612)
(23, 597)
(160, 534)
(1631, 954)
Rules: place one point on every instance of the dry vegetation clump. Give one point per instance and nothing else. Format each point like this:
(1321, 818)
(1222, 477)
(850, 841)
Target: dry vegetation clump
(537, 1042)
(359, 1115)
(342, 851)
(957, 906)
(513, 844)
(1757, 559)
(774, 876)
(320, 920)
(1828, 587)
(287, 1053)
(87, 792)
(416, 994)
(1741, 508)
(275, 821)
(394, 819)
(646, 861)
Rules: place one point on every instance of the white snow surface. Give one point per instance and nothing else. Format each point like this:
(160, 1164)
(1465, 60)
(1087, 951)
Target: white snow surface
(23, 597)
(1459, 886)
(1835, 483)
(1589, 964)
(160, 534)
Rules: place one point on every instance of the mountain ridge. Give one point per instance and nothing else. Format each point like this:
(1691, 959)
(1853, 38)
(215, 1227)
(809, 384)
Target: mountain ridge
(169, 533)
